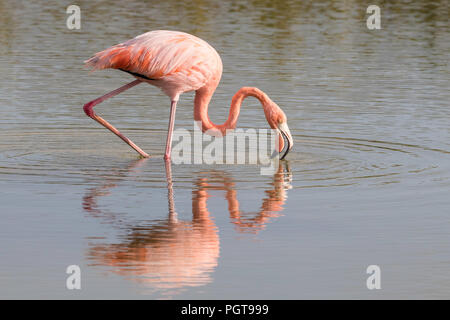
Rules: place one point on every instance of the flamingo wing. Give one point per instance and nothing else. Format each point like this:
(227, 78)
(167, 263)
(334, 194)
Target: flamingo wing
(176, 57)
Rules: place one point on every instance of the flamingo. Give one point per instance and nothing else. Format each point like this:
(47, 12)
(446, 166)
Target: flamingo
(178, 62)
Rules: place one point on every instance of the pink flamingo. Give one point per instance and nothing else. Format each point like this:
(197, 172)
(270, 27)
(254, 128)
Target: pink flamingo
(178, 62)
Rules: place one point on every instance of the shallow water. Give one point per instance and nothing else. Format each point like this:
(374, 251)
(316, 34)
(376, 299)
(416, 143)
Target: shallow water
(366, 183)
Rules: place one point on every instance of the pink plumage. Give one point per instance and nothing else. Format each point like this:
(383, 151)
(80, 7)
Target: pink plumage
(175, 61)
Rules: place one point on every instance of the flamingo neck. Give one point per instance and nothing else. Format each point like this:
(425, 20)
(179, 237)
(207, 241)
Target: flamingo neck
(203, 97)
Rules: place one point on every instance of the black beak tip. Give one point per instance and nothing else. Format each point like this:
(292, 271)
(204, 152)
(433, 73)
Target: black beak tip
(287, 145)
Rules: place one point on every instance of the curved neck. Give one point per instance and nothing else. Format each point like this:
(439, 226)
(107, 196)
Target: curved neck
(203, 97)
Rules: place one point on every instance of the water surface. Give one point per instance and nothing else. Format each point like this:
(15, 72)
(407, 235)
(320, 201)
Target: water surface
(366, 183)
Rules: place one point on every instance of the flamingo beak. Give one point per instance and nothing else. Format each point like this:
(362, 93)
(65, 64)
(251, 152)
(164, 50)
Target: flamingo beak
(286, 134)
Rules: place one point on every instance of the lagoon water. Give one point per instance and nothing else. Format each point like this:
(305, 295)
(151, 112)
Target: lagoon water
(367, 183)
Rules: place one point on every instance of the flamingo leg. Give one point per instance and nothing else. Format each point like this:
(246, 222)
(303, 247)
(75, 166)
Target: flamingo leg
(173, 108)
(88, 109)
(172, 212)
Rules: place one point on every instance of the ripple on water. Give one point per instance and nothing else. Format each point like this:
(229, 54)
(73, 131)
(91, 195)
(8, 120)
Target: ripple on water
(336, 161)
(316, 161)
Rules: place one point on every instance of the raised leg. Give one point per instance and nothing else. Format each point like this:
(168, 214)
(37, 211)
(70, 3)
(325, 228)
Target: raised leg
(88, 109)
(173, 108)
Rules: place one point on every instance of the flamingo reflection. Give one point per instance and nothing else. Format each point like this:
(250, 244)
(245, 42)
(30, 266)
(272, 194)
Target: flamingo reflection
(172, 253)
(251, 222)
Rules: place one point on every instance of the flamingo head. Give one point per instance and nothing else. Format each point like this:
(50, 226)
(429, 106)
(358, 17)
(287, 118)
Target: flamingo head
(277, 120)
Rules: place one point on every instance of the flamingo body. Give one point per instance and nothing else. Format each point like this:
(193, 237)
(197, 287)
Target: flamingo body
(174, 61)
